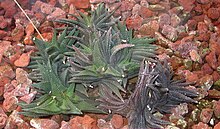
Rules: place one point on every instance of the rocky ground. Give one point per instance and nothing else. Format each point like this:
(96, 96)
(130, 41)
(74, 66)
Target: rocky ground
(187, 33)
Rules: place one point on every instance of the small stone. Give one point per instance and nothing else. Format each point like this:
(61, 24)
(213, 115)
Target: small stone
(13, 120)
(215, 76)
(3, 118)
(3, 34)
(126, 5)
(88, 122)
(28, 40)
(191, 77)
(3, 23)
(203, 1)
(46, 8)
(65, 125)
(23, 60)
(176, 62)
(216, 108)
(192, 24)
(3, 82)
(7, 71)
(170, 32)
(22, 76)
(144, 3)
(82, 122)
(17, 33)
(212, 60)
(213, 13)
(206, 82)
(9, 7)
(23, 125)
(194, 55)
(217, 126)
(10, 103)
(214, 94)
(149, 29)
(8, 90)
(57, 14)
(28, 98)
(203, 37)
(180, 110)
(117, 121)
(206, 69)
(29, 29)
(102, 124)
(144, 12)
(175, 20)
(214, 44)
(134, 22)
(164, 19)
(80, 4)
(206, 115)
(187, 4)
(202, 27)
(4, 46)
(44, 124)
(125, 15)
(201, 125)
(136, 9)
(153, 1)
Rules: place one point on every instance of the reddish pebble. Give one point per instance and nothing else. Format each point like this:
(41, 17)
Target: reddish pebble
(23, 60)
(3, 34)
(7, 71)
(56, 14)
(144, 12)
(17, 33)
(215, 76)
(28, 40)
(217, 126)
(206, 81)
(3, 118)
(134, 22)
(149, 29)
(65, 125)
(117, 121)
(28, 98)
(3, 23)
(85, 122)
(23, 125)
(206, 115)
(3, 81)
(206, 69)
(44, 124)
(202, 27)
(79, 3)
(164, 19)
(10, 103)
(126, 5)
(191, 77)
(213, 13)
(214, 94)
(187, 4)
(203, 1)
(212, 60)
(4, 45)
(201, 125)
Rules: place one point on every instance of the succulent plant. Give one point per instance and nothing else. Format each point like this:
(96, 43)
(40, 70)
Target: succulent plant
(155, 91)
(49, 71)
(106, 53)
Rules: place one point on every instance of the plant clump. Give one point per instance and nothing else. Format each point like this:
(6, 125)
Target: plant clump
(97, 52)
